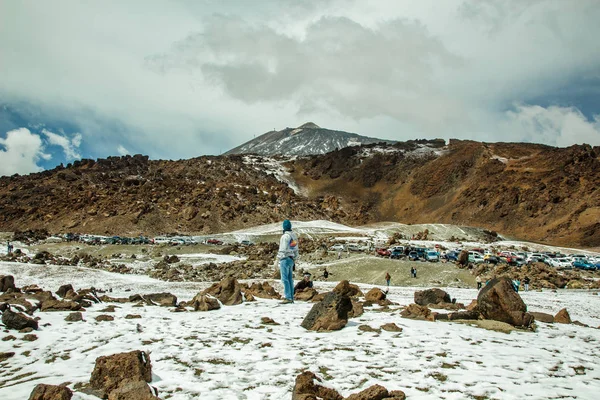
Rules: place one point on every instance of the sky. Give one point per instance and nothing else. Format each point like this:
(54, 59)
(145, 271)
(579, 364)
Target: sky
(181, 79)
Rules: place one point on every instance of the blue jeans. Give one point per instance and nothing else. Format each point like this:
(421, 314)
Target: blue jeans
(287, 277)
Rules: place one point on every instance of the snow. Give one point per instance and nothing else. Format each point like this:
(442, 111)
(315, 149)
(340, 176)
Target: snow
(228, 354)
(501, 159)
(275, 167)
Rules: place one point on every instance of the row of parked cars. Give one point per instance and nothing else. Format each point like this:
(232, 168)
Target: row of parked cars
(170, 240)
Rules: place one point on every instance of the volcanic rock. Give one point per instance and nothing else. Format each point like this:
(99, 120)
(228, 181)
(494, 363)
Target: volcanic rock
(162, 299)
(50, 392)
(132, 390)
(203, 302)
(305, 388)
(60, 305)
(7, 282)
(543, 317)
(305, 294)
(346, 288)
(375, 295)
(228, 291)
(499, 301)
(263, 290)
(357, 309)
(415, 311)
(391, 327)
(74, 317)
(18, 321)
(562, 317)
(114, 371)
(104, 317)
(64, 289)
(431, 296)
(330, 314)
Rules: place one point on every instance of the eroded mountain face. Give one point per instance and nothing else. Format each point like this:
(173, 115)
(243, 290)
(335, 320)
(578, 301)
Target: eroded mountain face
(528, 191)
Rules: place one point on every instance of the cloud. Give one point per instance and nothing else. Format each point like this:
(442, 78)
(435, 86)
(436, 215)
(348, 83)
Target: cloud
(69, 146)
(22, 151)
(122, 150)
(558, 126)
(192, 78)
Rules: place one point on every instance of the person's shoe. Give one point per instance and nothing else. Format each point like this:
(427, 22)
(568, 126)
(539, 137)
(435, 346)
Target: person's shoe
(287, 301)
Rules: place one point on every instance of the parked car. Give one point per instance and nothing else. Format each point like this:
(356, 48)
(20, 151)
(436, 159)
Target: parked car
(517, 261)
(432, 256)
(160, 240)
(383, 252)
(353, 247)
(337, 247)
(451, 256)
(413, 256)
(560, 262)
(491, 259)
(475, 257)
(246, 243)
(214, 241)
(582, 263)
(396, 254)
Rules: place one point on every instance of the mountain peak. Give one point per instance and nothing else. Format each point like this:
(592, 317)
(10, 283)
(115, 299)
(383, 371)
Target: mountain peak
(309, 125)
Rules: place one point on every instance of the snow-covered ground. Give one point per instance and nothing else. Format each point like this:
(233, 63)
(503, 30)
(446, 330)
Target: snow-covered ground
(229, 354)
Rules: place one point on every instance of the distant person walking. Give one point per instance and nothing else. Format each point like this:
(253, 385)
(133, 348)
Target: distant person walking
(526, 283)
(287, 256)
(388, 278)
(9, 247)
(478, 280)
(415, 272)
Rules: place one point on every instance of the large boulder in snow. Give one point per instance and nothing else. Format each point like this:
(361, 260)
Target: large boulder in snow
(7, 282)
(228, 291)
(330, 314)
(60, 305)
(18, 321)
(203, 302)
(50, 392)
(305, 294)
(499, 301)
(415, 311)
(114, 371)
(64, 289)
(263, 290)
(431, 296)
(562, 317)
(346, 288)
(375, 295)
(164, 299)
(307, 389)
(136, 390)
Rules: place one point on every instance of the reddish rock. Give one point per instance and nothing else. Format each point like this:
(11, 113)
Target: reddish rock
(500, 302)
(375, 392)
(543, 317)
(391, 327)
(330, 314)
(50, 392)
(7, 282)
(357, 309)
(306, 388)
(346, 288)
(60, 305)
(375, 295)
(305, 294)
(228, 291)
(132, 390)
(64, 289)
(262, 290)
(112, 372)
(415, 311)
(562, 317)
(431, 296)
(202, 302)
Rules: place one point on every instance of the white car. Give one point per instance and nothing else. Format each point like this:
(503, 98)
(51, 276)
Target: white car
(337, 247)
(560, 262)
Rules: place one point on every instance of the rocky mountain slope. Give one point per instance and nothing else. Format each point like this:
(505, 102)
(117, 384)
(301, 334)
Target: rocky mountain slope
(305, 140)
(530, 191)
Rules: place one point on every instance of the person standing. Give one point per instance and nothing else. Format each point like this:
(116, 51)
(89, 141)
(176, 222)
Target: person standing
(388, 278)
(415, 272)
(287, 256)
(412, 272)
(478, 280)
(526, 283)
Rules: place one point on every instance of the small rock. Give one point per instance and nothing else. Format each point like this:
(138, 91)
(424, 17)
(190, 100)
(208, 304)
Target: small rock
(104, 317)
(415, 311)
(26, 330)
(268, 321)
(562, 317)
(9, 337)
(30, 337)
(133, 316)
(543, 317)
(6, 356)
(367, 328)
(110, 308)
(50, 392)
(74, 317)
(391, 327)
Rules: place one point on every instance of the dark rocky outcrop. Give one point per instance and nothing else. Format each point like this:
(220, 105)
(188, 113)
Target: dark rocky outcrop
(346, 288)
(306, 388)
(18, 321)
(50, 392)
(431, 296)
(115, 371)
(7, 282)
(562, 317)
(415, 311)
(499, 301)
(330, 314)
(203, 302)
(228, 291)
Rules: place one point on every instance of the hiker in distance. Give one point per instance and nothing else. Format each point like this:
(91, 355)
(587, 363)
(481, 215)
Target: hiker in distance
(287, 256)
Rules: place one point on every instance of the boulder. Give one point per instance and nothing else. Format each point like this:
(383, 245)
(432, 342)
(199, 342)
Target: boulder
(375, 392)
(391, 327)
(7, 282)
(162, 299)
(543, 317)
(104, 317)
(415, 311)
(114, 371)
(50, 392)
(202, 302)
(132, 390)
(18, 321)
(60, 305)
(562, 317)
(249, 297)
(431, 296)
(357, 309)
(228, 291)
(305, 294)
(499, 301)
(375, 295)
(346, 288)
(305, 388)
(64, 289)
(74, 317)
(472, 306)
(19, 300)
(263, 290)
(464, 315)
(330, 314)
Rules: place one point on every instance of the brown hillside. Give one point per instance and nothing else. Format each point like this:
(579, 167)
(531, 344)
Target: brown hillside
(528, 191)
